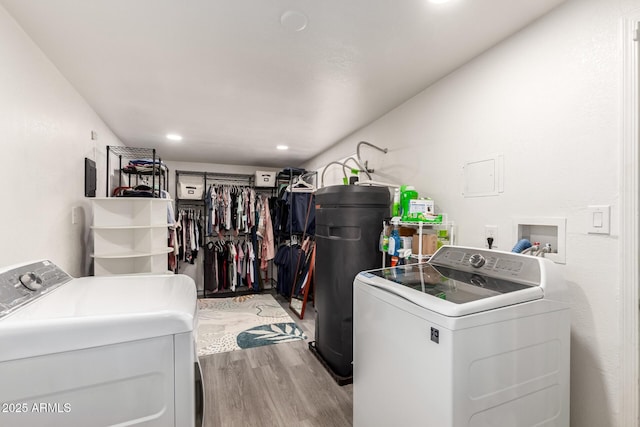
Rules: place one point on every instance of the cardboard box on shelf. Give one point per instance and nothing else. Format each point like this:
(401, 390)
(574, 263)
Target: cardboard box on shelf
(429, 244)
(406, 231)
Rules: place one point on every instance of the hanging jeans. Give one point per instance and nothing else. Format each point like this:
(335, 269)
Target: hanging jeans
(209, 273)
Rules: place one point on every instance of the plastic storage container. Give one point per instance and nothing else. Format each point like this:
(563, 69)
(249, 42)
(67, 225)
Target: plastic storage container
(348, 221)
(265, 179)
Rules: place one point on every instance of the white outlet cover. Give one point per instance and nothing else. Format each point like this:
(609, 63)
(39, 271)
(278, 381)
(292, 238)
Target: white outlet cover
(491, 231)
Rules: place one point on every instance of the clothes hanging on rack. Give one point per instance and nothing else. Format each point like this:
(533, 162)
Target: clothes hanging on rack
(221, 265)
(189, 223)
(230, 207)
(251, 273)
(231, 211)
(172, 261)
(172, 236)
(265, 232)
(286, 259)
(238, 209)
(229, 265)
(292, 211)
(303, 267)
(301, 208)
(233, 266)
(210, 282)
(293, 215)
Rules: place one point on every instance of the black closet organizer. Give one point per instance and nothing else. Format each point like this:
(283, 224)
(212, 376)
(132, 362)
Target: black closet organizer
(225, 271)
(146, 173)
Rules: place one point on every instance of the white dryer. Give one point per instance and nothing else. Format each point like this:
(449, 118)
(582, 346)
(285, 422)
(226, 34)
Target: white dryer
(473, 338)
(97, 351)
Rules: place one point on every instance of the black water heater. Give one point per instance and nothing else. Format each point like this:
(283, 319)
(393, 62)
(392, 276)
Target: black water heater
(348, 225)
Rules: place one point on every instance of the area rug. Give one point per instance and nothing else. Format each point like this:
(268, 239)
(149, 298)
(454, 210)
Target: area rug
(228, 324)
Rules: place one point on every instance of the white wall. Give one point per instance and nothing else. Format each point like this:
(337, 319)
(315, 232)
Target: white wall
(45, 130)
(549, 100)
(45, 134)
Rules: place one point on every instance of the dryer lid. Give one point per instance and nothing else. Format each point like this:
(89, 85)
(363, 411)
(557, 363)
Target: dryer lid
(96, 311)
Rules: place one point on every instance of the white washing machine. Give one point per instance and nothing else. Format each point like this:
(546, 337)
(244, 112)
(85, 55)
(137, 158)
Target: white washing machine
(473, 338)
(97, 351)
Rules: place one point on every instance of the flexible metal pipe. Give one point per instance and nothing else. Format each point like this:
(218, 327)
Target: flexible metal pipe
(384, 150)
(359, 165)
(327, 167)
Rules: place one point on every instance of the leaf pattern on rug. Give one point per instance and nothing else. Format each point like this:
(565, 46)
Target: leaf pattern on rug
(221, 320)
(270, 334)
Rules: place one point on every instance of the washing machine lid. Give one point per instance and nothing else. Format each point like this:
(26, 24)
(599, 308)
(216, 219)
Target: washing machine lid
(462, 281)
(92, 311)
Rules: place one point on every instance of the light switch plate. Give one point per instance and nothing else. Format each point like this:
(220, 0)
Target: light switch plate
(599, 219)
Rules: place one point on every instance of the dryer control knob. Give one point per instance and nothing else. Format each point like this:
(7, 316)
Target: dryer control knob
(477, 260)
(31, 281)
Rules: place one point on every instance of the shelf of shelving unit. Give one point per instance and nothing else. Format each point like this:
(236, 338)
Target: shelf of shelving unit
(130, 235)
(131, 153)
(127, 227)
(421, 225)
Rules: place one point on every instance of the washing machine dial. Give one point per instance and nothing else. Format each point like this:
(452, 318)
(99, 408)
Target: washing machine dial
(31, 281)
(477, 260)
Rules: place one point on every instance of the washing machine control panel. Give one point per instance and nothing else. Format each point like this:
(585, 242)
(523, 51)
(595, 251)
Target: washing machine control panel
(504, 265)
(24, 283)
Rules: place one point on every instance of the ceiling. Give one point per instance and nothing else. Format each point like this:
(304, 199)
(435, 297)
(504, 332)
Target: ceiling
(236, 78)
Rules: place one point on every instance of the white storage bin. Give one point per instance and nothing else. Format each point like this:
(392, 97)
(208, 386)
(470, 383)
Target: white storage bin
(265, 179)
(190, 191)
(191, 187)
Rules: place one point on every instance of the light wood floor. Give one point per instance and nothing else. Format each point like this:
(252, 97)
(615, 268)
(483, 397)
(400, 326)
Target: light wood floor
(275, 385)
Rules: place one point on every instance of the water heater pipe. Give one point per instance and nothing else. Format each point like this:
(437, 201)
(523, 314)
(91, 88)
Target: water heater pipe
(366, 169)
(327, 167)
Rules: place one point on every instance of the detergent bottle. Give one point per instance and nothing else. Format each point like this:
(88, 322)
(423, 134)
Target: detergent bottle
(394, 242)
(403, 188)
(406, 196)
(443, 238)
(395, 210)
(384, 241)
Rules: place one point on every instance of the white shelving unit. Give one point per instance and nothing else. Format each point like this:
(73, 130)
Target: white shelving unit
(130, 235)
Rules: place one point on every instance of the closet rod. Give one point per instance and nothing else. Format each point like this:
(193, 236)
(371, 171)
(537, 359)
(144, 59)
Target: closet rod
(238, 183)
(230, 174)
(221, 178)
(229, 177)
(190, 206)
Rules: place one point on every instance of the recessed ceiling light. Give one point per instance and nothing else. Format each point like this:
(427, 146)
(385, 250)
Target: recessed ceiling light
(294, 21)
(174, 137)
(282, 147)
(438, 1)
